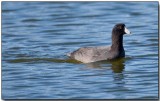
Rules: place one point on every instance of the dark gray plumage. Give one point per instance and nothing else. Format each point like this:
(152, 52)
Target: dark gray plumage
(93, 54)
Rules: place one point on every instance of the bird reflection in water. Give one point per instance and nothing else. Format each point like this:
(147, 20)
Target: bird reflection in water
(117, 65)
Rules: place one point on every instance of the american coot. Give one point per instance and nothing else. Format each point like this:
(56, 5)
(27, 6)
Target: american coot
(93, 54)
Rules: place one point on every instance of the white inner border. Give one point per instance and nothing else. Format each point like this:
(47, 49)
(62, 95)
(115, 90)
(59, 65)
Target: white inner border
(57, 0)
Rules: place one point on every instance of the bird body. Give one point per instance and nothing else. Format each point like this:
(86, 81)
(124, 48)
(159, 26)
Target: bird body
(93, 54)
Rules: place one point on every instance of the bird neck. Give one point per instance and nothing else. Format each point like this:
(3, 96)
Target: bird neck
(117, 42)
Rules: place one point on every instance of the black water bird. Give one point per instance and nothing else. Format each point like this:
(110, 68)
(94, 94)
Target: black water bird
(93, 54)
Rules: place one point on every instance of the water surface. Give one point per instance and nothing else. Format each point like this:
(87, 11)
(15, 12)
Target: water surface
(37, 35)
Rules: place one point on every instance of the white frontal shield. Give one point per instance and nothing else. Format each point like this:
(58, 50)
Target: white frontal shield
(127, 31)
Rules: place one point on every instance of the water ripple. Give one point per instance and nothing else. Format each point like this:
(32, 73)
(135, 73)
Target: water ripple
(37, 35)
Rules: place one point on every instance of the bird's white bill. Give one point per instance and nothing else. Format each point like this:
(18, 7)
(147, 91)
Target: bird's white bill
(127, 31)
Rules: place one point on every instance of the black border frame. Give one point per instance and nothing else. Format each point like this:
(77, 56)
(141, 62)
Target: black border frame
(83, 99)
